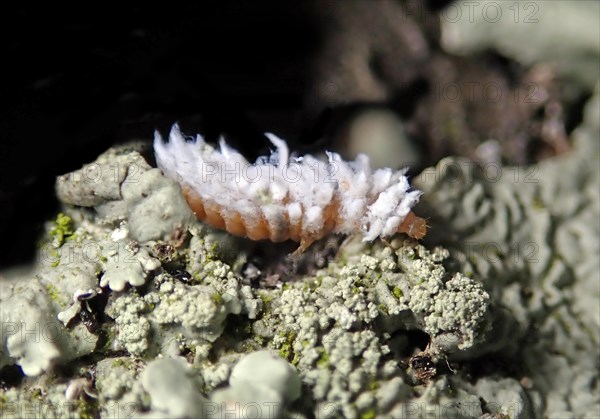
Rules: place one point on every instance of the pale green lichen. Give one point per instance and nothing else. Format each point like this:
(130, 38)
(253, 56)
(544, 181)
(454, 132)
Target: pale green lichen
(311, 323)
(32, 336)
(349, 328)
(335, 321)
(533, 234)
(509, 31)
(261, 378)
(169, 309)
(133, 328)
(173, 388)
(127, 263)
(457, 305)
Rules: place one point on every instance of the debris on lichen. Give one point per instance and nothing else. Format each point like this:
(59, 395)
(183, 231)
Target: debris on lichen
(62, 229)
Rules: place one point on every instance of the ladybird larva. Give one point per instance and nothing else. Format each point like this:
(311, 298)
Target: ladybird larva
(282, 197)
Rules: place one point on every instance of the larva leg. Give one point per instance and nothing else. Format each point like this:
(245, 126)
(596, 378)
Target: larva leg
(387, 243)
(305, 243)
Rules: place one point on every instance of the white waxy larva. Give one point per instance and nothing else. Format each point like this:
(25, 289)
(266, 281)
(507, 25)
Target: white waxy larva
(281, 197)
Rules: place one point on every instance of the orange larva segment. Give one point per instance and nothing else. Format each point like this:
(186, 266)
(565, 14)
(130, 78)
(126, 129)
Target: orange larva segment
(195, 202)
(280, 230)
(210, 213)
(330, 217)
(213, 215)
(413, 226)
(235, 225)
(258, 231)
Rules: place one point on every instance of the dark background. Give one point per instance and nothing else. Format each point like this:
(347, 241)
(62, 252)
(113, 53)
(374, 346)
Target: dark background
(77, 79)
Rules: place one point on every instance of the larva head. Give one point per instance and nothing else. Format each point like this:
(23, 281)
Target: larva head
(413, 226)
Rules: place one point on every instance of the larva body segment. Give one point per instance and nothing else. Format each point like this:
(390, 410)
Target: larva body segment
(281, 198)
